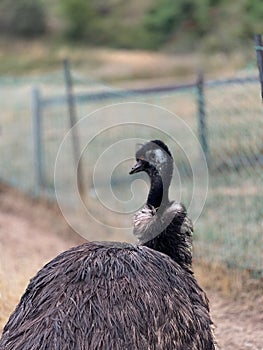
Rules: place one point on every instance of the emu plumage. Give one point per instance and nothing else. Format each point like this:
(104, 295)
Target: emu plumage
(116, 296)
(110, 296)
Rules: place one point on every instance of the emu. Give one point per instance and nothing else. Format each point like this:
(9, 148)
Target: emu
(162, 224)
(111, 295)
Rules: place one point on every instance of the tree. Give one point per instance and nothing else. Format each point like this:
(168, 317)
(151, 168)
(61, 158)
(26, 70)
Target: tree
(80, 16)
(168, 16)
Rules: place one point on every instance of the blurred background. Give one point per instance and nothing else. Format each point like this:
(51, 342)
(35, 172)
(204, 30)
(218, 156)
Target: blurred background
(62, 60)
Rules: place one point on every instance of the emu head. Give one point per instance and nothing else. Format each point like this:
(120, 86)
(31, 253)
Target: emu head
(154, 158)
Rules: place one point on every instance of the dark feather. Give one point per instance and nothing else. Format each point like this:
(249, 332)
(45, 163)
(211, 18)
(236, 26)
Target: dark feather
(110, 296)
(119, 296)
(168, 231)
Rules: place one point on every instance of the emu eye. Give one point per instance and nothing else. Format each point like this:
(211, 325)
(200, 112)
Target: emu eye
(152, 156)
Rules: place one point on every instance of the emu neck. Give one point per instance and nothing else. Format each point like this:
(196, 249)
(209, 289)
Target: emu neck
(158, 194)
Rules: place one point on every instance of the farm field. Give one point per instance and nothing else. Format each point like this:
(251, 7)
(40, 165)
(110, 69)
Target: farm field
(33, 232)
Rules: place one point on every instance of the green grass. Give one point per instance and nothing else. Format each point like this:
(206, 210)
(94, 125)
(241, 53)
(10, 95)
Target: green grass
(229, 230)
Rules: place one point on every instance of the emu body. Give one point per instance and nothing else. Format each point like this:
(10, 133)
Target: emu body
(118, 296)
(110, 296)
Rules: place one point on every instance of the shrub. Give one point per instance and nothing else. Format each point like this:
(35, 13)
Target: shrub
(79, 16)
(22, 17)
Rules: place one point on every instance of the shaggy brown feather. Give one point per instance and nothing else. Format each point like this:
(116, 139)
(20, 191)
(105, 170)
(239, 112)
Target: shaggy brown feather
(110, 296)
(168, 231)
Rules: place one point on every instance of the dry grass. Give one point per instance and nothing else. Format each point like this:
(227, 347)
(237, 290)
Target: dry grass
(111, 65)
(32, 233)
(233, 283)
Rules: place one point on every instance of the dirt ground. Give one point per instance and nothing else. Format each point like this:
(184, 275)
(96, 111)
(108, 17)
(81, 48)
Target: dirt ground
(32, 233)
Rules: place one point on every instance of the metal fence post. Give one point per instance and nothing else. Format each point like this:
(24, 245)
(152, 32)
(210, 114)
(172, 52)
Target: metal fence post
(74, 130)
(259, 51)
(37, 138)
(202, 127)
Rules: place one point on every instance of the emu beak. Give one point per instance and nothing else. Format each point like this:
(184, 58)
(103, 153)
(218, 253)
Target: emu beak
(137, 167)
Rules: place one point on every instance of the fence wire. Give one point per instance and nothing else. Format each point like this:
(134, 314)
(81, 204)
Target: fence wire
(230, 228)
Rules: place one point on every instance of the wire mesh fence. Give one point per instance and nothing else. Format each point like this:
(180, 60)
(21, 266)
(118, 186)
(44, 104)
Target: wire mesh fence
(232, 224)
(230, 227)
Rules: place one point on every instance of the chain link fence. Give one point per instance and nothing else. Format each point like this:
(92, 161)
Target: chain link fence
(230, 227)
